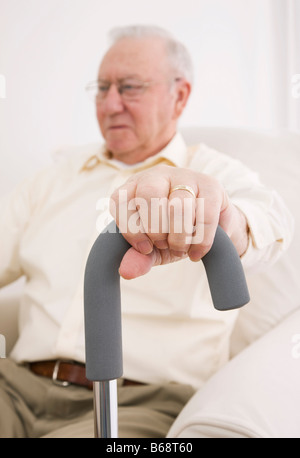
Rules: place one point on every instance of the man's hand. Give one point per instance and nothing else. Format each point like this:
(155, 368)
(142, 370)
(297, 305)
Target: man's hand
(164, 225)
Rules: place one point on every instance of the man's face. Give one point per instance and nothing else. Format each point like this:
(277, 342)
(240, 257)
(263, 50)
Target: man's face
(138, 128)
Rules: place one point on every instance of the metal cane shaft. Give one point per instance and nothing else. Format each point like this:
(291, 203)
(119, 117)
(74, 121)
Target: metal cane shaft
(105, 409)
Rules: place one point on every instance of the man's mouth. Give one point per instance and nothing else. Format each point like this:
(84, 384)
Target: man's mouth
(120, 126)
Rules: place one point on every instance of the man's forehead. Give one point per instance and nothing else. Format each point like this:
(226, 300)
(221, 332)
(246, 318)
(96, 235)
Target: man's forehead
(132, 55)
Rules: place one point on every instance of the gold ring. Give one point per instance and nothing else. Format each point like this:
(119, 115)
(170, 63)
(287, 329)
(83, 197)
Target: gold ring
(183, 187)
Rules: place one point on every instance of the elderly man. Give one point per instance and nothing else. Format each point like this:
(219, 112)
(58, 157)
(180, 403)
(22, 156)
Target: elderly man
(173, 338)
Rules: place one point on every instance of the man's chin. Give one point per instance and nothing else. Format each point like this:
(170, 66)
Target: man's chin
(119, 142)
(121, 152)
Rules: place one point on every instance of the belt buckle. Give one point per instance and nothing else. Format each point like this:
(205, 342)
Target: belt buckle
(55, 380)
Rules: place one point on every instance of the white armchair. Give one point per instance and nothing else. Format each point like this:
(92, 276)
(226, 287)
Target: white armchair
(257, 393)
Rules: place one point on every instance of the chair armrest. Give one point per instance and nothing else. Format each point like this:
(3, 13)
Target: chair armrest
(255, 395)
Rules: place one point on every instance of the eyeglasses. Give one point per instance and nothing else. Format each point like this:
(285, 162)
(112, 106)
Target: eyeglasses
(128, 88)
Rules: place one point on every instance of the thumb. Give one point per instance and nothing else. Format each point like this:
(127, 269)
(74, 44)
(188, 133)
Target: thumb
(135, 264)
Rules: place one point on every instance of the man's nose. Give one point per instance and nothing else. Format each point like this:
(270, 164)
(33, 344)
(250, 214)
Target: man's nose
(113, 102)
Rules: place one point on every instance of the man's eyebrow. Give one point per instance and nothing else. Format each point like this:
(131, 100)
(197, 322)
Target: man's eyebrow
(133, 76)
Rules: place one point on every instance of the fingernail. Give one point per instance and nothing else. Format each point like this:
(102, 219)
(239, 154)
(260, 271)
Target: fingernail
(145, 247)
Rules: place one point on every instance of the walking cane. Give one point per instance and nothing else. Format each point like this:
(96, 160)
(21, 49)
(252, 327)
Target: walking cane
(102, 310)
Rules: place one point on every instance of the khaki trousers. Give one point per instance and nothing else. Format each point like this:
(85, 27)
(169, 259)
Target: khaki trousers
(32, 406)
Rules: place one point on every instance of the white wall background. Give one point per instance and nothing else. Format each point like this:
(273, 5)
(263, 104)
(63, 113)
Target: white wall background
(245, 55)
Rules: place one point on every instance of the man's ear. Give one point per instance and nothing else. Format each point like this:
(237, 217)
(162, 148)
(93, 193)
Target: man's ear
(182, 92)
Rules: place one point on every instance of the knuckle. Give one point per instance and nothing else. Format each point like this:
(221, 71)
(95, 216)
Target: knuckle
(162, 168)
(146, 189)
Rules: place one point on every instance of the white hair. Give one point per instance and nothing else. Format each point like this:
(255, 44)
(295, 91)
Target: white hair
(178, 55)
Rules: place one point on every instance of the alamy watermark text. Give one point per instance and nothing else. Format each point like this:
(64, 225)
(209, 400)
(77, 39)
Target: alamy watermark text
(157, 216)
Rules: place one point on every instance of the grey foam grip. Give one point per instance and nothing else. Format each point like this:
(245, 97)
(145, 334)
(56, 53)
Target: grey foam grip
(225, 274)
(102, 296)
(102, 306)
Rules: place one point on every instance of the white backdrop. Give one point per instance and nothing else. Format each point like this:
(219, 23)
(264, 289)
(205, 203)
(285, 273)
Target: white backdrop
(245, 55)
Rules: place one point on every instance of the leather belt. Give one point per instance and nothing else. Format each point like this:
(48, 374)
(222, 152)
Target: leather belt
(65, 373)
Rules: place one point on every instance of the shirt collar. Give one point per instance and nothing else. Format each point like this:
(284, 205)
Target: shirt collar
(173, 154)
